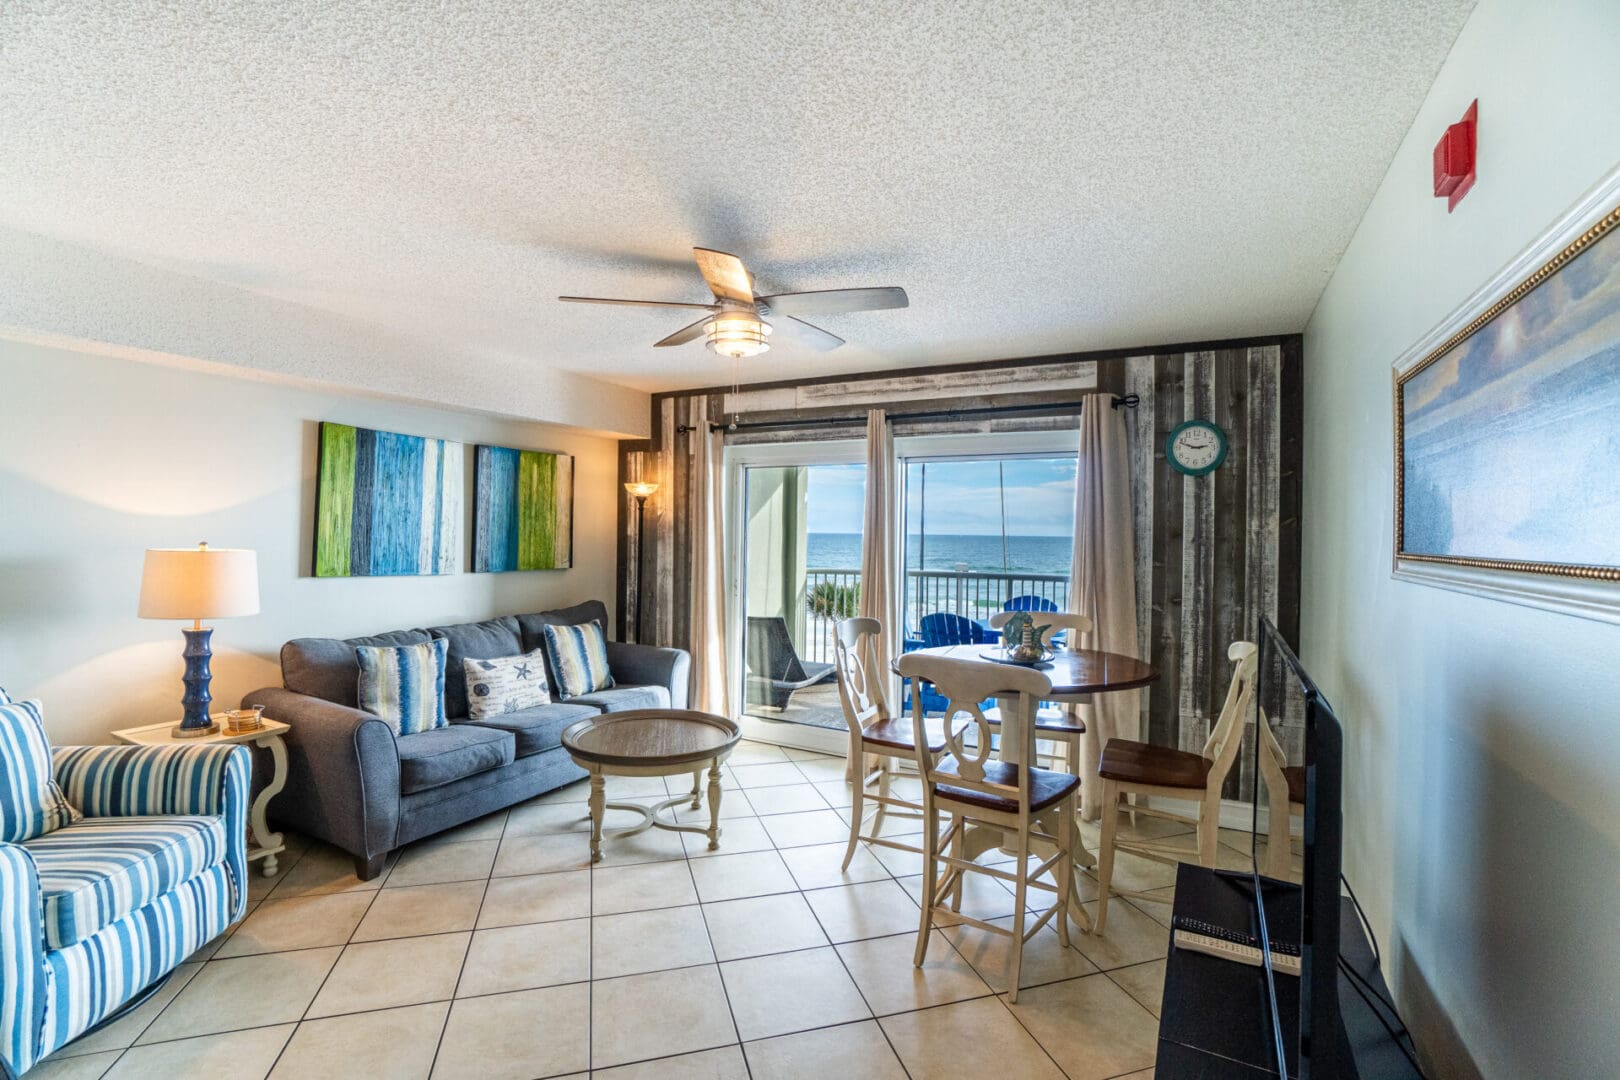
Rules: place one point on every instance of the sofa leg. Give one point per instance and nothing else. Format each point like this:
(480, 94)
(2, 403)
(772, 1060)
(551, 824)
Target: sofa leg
(367, 869)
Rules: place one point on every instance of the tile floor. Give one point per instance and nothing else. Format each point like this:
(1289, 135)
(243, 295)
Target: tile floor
(497, 951)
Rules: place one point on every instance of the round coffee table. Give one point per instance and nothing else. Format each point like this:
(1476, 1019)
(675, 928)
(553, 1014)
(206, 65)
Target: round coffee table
(652, 742)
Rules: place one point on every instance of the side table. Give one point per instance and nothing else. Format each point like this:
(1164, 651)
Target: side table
(270, 737)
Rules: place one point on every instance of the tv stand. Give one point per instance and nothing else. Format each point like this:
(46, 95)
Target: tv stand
(1214, 1022)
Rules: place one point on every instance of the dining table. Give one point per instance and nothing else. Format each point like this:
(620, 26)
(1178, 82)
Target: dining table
(1077, 675)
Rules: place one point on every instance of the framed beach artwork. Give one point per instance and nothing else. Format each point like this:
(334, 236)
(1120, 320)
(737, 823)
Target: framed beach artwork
(1507, 429)
(387, 504)
(523, 510)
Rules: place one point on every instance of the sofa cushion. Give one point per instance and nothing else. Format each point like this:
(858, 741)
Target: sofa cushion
(538, 729)
(531, 625)
(31, 803)
(624, 698)
(473, 641)
(403, 684)
(326, 667)
(430, 758)
(98, 870)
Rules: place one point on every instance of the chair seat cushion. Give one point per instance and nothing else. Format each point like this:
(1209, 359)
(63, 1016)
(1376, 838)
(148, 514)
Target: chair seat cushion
(1045, 787)
(100, 869)
(624, 698)
(1132, 762)
(897, 733)
(442, 755)
(538, 729)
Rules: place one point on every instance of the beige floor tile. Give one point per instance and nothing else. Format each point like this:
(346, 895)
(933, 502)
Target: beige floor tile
(1129, 938)
(304, 922)
(658, 1015)
(787, 992)
(1144, 982)
(415, 910)
(526, 957)
(1136, 874)
(850, 1052)
(240, 1055)
(517, 1036)
(982, 896)
(811, 827)
(429, 864)
(755, 753)
(280, 985)
(1158, 905)
(488, 827)
(126, 1029)
(731, 877)
(970, 1038)
(574, 792)
(733, 804)
(819, 866)
(891, 982)
(749, 777)
(795, 753)
(901, 863)
(520, 855)
(836, 792)
(394, 1043)
(1091, 1027)
(384, 974)
(322, 869)
(737, 835)
(896, 825)
(787, 799)
(536, 898)
(539, 819)
(647, 789)
(1145, 1074)
(870, 909)
(725, 1063)
(648, 941)
(81, 1067)
(1045, 959)
(822, 768)
(762, 924)
(654, 845)
(619, 889)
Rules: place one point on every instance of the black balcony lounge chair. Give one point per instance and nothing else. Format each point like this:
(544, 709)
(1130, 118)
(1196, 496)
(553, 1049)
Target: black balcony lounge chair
(774, 667)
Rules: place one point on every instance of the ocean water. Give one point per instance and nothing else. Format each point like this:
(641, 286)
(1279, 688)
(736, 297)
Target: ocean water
(1024, 554)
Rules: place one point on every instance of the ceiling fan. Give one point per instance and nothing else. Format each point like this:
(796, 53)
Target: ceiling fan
(735, 323)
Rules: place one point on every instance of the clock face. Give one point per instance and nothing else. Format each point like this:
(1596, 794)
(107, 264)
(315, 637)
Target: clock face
(1196, 447)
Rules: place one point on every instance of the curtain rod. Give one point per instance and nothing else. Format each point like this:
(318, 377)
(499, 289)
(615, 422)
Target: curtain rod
(1126, 401)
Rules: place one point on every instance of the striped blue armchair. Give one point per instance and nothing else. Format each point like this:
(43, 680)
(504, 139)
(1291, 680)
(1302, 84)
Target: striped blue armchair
(99, 909)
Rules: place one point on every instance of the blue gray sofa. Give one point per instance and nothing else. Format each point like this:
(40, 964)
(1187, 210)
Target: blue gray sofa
(354, 784)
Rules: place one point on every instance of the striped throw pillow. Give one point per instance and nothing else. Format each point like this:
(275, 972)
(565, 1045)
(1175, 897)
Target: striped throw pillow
(507, 684)
(404, 684)
(578, 656)
(31, 803)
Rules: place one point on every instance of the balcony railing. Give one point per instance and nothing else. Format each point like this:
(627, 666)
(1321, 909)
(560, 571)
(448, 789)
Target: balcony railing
(832, 594)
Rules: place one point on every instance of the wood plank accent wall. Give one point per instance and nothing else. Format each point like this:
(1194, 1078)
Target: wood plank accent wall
(1213, 553)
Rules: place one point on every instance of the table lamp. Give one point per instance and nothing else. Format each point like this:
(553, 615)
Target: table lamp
(198, 583)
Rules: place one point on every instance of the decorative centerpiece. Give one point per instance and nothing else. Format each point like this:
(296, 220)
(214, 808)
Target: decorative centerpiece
(1023, 641)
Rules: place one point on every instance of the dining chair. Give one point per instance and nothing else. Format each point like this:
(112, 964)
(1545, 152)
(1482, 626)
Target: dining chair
(874, 733)
(1285, 800)
(1128, 767)
(971, 788)
(1055, 722)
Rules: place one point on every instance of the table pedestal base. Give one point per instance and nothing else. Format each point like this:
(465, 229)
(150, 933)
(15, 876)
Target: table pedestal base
(652, 816)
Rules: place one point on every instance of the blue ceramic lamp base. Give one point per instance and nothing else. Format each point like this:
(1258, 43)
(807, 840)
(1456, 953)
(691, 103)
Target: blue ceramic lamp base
(196, 721)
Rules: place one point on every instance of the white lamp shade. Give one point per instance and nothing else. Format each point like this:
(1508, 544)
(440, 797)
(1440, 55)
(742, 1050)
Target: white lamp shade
(199, 583)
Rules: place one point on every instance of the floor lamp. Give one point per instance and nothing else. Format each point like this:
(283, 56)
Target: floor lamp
(641, 481)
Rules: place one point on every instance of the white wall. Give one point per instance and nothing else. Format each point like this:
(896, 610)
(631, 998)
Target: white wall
(1482, 797)
(101, 458)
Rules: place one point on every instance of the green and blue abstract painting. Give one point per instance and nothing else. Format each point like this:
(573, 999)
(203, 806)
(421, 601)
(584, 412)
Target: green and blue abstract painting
(523, 516)
(387, 504)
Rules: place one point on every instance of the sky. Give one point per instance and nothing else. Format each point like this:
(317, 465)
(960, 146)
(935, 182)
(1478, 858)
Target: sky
(963, 497)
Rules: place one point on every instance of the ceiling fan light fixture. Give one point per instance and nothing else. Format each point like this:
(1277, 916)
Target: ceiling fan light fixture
(737, 336)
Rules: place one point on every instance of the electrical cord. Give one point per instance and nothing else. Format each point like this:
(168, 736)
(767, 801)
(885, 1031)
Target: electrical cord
(1369, 993)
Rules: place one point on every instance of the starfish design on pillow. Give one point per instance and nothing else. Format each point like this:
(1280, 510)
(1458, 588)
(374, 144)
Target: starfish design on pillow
(522, 671)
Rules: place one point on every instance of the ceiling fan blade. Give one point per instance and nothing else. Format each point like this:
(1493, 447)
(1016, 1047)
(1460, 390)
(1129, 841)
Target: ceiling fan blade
(638, 303)
(685, 333)
(805, 334)
(830, 301)
(726, 275)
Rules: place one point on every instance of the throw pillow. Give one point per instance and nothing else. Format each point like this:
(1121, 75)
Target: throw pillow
(31, 803)
(403, 684)
(507, 684)
(578, 656)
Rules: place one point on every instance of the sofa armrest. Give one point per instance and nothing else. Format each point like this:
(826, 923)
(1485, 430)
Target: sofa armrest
(342, 772)
(22, 959)
(649, 665)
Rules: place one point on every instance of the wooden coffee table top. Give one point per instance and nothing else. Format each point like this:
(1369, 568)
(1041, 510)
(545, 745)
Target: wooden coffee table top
(650, 737)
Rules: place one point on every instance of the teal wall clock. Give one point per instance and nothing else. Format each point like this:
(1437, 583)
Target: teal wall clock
(1196, 448)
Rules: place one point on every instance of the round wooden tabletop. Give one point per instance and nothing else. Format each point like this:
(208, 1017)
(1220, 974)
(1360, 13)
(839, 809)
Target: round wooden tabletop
(650, 737)
(1077, 671)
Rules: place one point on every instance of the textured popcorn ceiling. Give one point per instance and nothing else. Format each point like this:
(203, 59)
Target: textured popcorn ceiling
(1039, 177)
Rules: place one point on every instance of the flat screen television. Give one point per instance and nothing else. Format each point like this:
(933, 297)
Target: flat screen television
(1298, 743)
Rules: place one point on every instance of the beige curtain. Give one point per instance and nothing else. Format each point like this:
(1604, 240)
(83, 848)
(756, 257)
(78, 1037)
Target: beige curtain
(711, 686)
(879, 597)
(1103, 584)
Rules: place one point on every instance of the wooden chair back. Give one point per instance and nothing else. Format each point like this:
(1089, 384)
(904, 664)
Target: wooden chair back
(1060, 622)
(1226, 737)
(965, 685)
(861, 675)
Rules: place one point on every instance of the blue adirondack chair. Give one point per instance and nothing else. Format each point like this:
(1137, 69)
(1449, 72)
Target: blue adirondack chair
(1029, 602)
